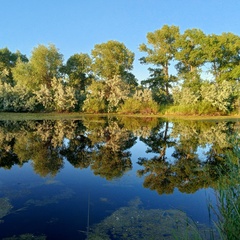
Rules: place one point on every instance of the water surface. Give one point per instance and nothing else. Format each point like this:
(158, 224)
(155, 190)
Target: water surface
(110, 178)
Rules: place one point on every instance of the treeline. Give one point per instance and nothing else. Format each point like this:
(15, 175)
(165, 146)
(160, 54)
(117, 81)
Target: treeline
(206, 80)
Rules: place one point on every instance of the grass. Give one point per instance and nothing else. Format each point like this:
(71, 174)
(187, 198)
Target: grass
(228, 196)
(79, 115)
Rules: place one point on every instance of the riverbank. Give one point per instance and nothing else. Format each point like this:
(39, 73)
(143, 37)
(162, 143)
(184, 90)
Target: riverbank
(61, 116)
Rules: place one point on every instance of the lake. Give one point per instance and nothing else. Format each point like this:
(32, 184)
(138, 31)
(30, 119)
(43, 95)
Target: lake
(111, 177)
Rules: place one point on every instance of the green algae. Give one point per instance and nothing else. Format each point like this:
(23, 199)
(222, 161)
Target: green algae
(5, 208)
(133, 222)
(27, 236)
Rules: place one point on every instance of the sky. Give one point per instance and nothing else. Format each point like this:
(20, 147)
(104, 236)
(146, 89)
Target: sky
(75, 26)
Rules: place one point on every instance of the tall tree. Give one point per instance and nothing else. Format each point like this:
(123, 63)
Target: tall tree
(223, 54)
(161, 50)
(7, 62)
(111, 59)
(78, 69)
(191, 56)
(43, 66)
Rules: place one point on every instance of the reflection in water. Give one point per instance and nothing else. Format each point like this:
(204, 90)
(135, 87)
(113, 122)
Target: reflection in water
(183, 155)
(103, 144)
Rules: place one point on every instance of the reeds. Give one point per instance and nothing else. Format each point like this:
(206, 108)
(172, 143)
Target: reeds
(228, 195)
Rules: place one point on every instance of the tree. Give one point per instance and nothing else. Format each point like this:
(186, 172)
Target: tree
(220, 95)
(162, 51)
(106, 95)
(7, 61)
(156, 82)
(59, 98)
(111, 59)
(223, 54)
(16, 98)
(78, 69)
(191, 57)
(43, 66)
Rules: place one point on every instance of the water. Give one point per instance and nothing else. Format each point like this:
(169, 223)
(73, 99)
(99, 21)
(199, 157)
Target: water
(109, 178)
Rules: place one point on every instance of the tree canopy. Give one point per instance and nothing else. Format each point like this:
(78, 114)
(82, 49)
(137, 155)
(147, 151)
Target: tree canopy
(189, 73)
(111, 59)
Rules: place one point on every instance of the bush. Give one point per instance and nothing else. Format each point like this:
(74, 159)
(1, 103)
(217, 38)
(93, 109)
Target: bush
(132, 105)
(200, 108)
(94, 105)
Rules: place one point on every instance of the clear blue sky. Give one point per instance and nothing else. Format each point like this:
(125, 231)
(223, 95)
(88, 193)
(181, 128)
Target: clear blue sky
(75, 26)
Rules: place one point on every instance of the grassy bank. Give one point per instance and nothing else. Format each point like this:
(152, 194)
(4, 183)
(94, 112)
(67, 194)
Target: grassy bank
(60, 116)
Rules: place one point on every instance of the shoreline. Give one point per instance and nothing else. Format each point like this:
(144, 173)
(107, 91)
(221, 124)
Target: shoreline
(75, 116)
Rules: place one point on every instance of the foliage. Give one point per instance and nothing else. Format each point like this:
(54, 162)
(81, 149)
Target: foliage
(95, 101)
(184, 96)
(206, 79)
(156, 82)
(111, 59)
(16, 99)
(8, 60)
(141, 102)
(106, 95)
(116, 91)
(200, 108)
(161, 52)
(228, 195)
(190, 55)
(44, 64)
(78, 69)
(222, 53)
(59, 98)
(219, 95)
(212, 98)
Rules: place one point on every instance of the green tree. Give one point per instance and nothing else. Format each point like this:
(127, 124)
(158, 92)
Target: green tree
(78, 69)
(156, 82)
(16, 99)
(191, 57)
(111, 59)
(221, 95)
(8, 60)
(222, 52)
(95, 99)
(59, 97)
(106, 95)
(44, 64)
(161, 51)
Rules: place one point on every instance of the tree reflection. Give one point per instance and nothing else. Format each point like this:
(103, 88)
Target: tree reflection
(8, 157)
(109, 157)
(187, 153)
(79, 151)
(185, 169)
(39, 141)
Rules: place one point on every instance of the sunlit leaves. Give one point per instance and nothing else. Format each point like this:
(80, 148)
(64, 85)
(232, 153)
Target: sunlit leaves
(220, 95)
(111, 58)
(160, 52)
(44, 64)
(78, 69)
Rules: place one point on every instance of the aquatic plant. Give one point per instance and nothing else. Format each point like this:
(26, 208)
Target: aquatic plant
(5, 207)
(228, 196)
(134, 222)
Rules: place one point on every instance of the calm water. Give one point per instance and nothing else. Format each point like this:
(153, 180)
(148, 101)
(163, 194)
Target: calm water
(108, 178)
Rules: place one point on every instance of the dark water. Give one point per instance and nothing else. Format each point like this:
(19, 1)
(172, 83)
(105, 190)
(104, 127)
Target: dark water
(109, 178)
